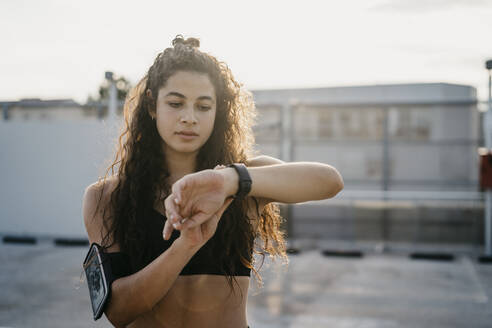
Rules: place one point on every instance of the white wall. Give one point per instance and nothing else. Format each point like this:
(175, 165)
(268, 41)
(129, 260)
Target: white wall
(44, 169)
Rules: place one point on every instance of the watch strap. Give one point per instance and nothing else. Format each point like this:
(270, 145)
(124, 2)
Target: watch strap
(244, 180)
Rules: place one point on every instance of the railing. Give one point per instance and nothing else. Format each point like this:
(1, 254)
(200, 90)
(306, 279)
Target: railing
(410, 195)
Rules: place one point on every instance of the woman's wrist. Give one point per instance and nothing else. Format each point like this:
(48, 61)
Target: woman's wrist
(231, 180)
(189, 248)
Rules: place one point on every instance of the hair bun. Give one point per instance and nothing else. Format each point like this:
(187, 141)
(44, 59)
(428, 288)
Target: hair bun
(192, 42)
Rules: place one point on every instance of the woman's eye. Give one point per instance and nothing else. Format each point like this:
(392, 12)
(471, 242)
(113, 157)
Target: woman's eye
(174, 105)
(204, 108)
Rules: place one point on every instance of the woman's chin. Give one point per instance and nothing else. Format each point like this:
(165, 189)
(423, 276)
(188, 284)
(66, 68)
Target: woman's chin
(185, 149)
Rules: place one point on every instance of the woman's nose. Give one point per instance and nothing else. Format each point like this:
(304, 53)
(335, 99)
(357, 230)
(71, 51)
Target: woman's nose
(188, 116)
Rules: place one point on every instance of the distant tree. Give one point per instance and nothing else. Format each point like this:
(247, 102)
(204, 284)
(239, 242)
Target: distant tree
(123, 86)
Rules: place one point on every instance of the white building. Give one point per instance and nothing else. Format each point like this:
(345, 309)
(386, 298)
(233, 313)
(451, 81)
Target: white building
(383, 137)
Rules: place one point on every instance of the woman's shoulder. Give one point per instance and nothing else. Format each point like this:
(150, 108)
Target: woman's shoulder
(95, 207)
(104, 184)
(100, 191)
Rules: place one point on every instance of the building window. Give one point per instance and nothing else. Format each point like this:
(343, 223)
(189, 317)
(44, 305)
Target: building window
(306, 122)
(313, 123)
(325, 124)
(410, 123)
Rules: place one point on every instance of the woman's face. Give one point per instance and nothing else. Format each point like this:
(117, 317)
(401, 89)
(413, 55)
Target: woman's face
(185, 112)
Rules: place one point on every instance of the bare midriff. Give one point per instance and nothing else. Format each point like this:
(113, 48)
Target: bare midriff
(199, 301)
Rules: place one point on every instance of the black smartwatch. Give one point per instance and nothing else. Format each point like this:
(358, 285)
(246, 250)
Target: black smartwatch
(244, 180)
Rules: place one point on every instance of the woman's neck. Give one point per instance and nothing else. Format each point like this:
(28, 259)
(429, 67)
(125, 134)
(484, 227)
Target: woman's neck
(179, 165)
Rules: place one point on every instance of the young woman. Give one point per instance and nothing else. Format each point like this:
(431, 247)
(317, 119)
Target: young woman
(179, 224)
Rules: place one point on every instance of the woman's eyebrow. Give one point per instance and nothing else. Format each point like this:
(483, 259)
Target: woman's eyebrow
(177, 94)
(205, 98)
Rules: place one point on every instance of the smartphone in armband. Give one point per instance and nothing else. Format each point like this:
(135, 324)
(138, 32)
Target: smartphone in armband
(98, 273)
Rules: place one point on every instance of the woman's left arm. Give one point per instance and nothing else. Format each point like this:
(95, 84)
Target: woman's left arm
(198, 195)
(287, 182)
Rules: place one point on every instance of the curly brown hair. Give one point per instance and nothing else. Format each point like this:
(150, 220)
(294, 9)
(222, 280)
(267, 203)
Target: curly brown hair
(143, 173)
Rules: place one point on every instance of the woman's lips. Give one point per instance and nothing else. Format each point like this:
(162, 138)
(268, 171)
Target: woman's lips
(186, 136)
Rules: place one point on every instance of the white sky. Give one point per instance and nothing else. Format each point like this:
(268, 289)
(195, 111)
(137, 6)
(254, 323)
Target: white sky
(61, 49)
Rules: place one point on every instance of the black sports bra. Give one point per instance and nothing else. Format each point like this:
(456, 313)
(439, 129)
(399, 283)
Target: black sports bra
(203, 262)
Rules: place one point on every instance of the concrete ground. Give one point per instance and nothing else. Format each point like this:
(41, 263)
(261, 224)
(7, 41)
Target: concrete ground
(41, 286)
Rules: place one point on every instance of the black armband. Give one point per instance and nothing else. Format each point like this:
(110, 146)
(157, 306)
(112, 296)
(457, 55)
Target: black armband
(99, 275)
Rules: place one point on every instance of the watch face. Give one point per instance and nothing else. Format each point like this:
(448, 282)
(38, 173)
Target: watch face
(95, 279)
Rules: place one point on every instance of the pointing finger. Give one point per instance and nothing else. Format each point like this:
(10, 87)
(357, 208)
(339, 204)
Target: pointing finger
(172, 209)
(168, 229)
(178, 188)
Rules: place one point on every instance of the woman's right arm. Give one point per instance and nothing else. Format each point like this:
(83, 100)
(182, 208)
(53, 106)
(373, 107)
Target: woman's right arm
(136, 294)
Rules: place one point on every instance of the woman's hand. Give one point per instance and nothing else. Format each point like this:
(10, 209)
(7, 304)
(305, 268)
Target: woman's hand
(195, 198)
(196, 237)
